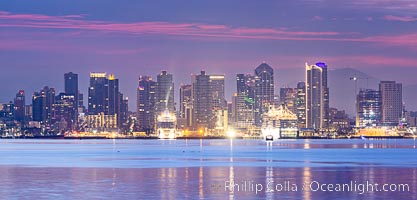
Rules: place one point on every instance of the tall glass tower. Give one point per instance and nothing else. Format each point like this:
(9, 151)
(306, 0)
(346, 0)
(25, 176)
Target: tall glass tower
(317, 96)
(264, 90)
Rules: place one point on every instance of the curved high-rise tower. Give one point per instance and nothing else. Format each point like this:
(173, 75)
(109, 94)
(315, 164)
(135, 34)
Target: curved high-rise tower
(317, 96)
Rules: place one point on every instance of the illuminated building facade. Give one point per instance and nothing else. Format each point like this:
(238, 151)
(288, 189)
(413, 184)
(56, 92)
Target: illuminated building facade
(42, 103)
(97, 93)
(146, 102)
(368, 108)
(243, 101)
(217, 102)
(71, 86)
(301, 104)
(19, 106)
(202, 111)
(186, 104)
(392, 104)
(264, 91)
(65, 112)
(317, 96)
(164, 93)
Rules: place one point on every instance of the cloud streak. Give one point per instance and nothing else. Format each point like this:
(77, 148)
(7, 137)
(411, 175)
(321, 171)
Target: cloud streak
(77, 24)
(400, 18)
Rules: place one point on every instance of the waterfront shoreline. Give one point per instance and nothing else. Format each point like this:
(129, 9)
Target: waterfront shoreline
(207, 138)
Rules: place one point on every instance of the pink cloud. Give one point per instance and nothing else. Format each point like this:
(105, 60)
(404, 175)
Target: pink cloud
(400, 18)
(78, 22)
(77, 25)
(407, 40)
(317, 18)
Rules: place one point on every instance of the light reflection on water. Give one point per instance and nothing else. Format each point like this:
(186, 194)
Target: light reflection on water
(193, 169)
(191, 183)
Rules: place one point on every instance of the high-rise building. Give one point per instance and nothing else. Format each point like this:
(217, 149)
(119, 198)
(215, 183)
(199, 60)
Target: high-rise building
(242, 111)
(49, 105)
(65, 112)
(218, 103)
(37, 106)
(164, 93)
(186, 104)
(301, 104)
(264, 91)
(317, 96)
(123, 113)
(218, 100)
(146, 100)
(103, 94)
(112, 95)
(392, 105)
(368, 108)
(81, 102)
(202, 111)
(19, 104)
(71, 85)
(97, 93)
(288, 97)
(243, 101)
(103, 101)
(42, 103)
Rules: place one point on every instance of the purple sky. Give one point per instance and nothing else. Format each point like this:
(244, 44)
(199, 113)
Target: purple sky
(39, 42)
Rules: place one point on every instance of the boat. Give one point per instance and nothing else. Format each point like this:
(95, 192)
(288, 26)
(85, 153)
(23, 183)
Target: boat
(279, 123)
(166, 125)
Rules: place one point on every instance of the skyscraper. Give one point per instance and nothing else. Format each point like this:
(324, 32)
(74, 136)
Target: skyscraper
(111, 95)
(48, 107)
(217, 102)
(201, 100)
(243, 101)
(264, 90)
(186, 104)
(42, 102)
(19, 104)
(392, 105)
(97, 93)
(71, 85)
(317, 96)
(164, 92)
(103, 94)
(123, 112)
(65, 112)
(37, 106)
(368, 108)
(146, 101)
(301, 104)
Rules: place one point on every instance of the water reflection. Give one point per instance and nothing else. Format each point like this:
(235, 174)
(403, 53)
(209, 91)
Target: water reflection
(194, 169)
(193, 183)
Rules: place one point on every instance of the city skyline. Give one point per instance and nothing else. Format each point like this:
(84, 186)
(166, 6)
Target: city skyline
(131, 40)
(235, 89)
(208, 99)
